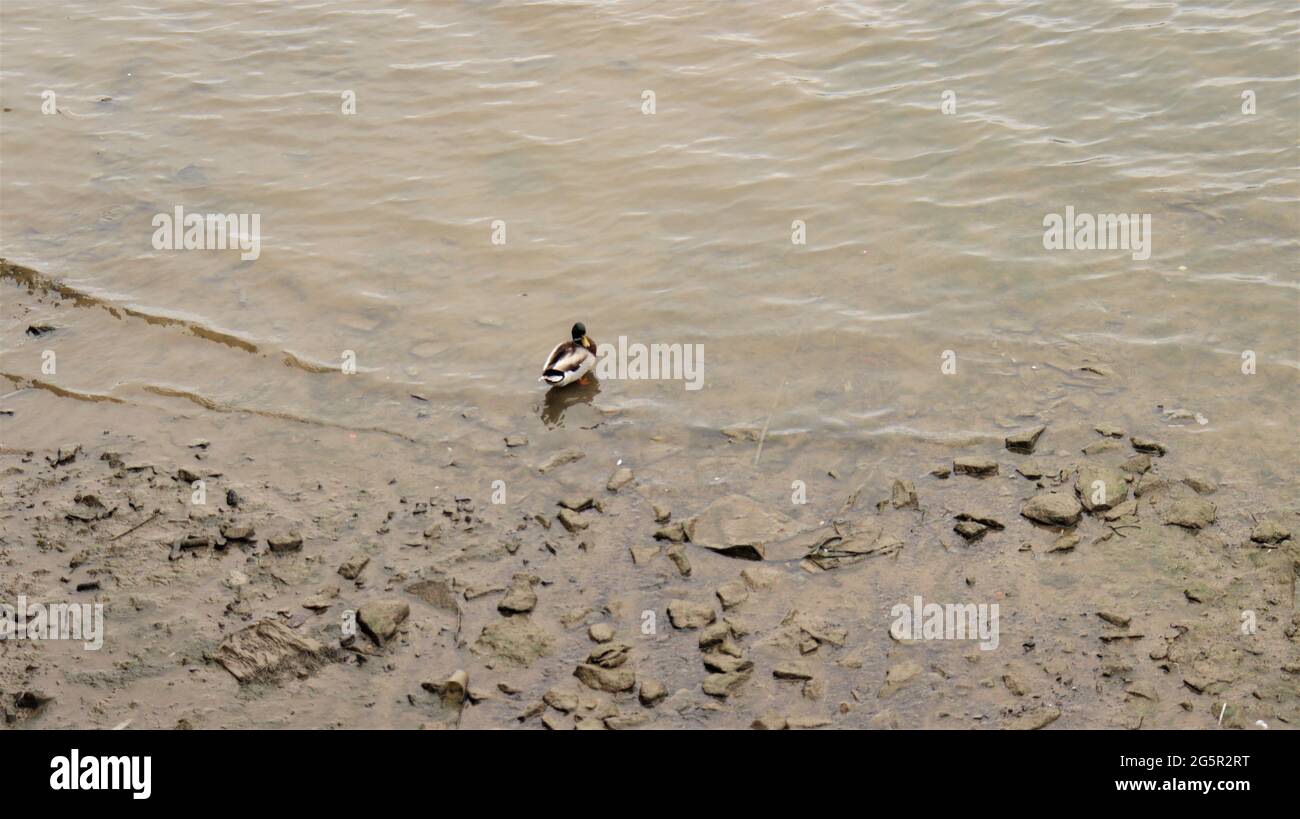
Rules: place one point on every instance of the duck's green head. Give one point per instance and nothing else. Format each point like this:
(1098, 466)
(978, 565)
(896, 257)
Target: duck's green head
(580, 333)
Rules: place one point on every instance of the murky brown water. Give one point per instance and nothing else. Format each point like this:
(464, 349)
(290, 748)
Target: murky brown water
(924, 244)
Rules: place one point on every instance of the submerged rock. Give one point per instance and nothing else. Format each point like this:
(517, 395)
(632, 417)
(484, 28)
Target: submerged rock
(972, 465)
(1148, 445)
(737, 526)
(560, 459)
(1189, 513)
(1025, 441)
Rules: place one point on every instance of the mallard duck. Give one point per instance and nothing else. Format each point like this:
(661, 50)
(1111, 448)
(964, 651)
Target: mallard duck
(570, 360)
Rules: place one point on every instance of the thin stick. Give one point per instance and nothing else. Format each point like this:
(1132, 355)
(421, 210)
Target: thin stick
(150, 519)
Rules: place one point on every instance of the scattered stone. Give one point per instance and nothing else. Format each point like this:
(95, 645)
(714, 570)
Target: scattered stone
(612, 680)
(560, 459)
(675, 533)
(1190, 513)
(381, 618)
(520, 598)
(1127, 509)
(352, 567)
(1033, 470)
(662, 513)
(1270, 532)
(685, 614)
(903, 495)
(269, 650)
(760, 578)
(970, 530)
(1201, 485)
(322, 600)
(677, 554)
(237, 531)
(609, 655)
(1033, 720)
(437, 592)
(64, 455)
(792, 671)
(601, 632)
(1100, 487)
(578, 503)
(1052, 509)
(898, 676)
(1146, 691)
(652, 692)
(513, 640)
(769, 722)
(1098, 447)
(285, 542)
(572, 521)
(1065, 543)
(642, 555)
(1137, 464)
(565, 701)
(738, 526)
(1114, 619)
(714, 634)
(806, 723)
(1015, 685)
(1110, 431)
(621, 478)
(973, 465)
(1148, 445)
(516, 440)
(721, 663)
(623, 722)
(725, 685)
(732, 594)
(1025, 441)
(552, 722)
(941, 472)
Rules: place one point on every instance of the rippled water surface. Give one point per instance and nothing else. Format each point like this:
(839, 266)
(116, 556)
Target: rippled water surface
(924, 229)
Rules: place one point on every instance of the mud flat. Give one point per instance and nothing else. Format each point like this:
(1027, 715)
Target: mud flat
(683, 589)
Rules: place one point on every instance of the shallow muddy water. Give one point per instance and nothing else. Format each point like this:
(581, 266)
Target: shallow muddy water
(842, 204)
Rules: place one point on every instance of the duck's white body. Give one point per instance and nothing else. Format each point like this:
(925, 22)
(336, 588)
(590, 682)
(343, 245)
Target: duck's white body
(570, 360)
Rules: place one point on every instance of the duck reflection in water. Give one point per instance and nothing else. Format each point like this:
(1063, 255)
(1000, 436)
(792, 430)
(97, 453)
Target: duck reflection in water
(559, 399)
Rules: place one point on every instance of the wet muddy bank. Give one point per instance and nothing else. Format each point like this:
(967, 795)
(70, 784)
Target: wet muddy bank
(502, 579)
